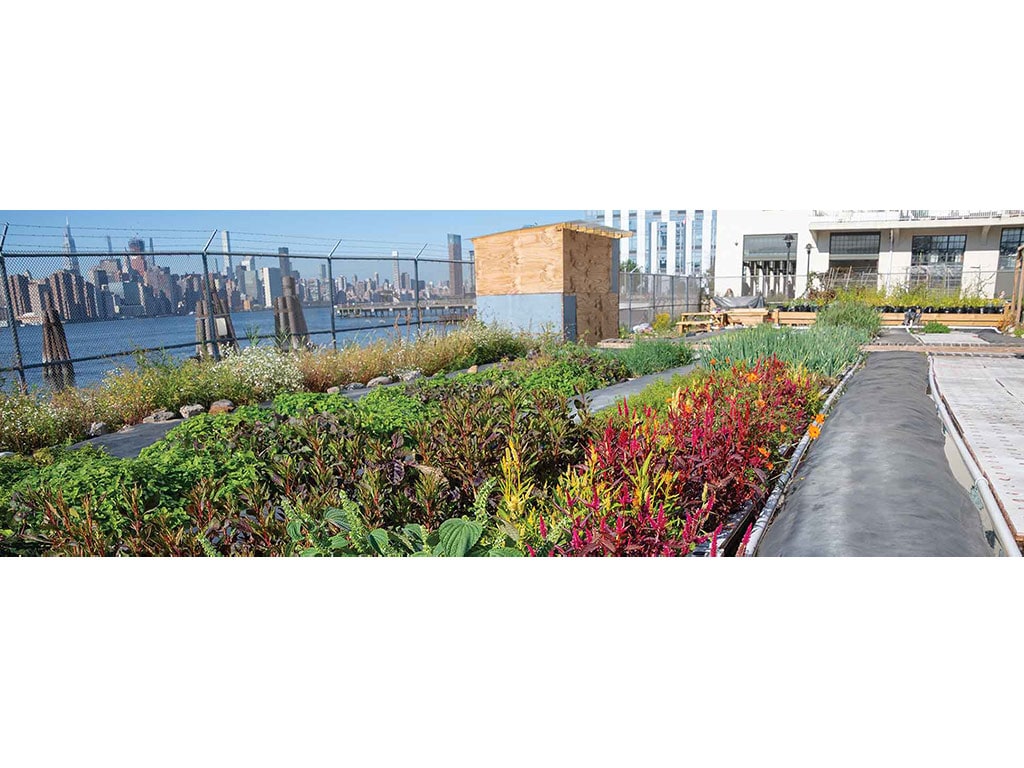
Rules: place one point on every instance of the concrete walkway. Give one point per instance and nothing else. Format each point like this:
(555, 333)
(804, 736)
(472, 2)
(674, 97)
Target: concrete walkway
(986, 398)
(877, 482)
(607, 397)
(128, 443)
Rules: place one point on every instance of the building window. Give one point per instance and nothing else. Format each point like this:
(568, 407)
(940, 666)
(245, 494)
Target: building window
(769, 247)
(937, 249)
(855, 244)
(1011, 239)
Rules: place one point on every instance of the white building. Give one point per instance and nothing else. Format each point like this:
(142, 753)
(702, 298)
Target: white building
(772, 252)
(664, 242)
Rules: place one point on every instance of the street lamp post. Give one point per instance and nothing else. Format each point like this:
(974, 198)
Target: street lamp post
(808, 248)
(788, 240)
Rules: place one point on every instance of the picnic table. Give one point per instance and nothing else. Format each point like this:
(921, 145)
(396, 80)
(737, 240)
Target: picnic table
(698, 321)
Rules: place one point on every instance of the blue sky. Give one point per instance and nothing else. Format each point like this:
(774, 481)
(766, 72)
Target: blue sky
(365, 233)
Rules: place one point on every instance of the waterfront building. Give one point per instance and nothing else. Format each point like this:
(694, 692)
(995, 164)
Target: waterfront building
(284, 261)
(20, 301)
(271, 278)
(104, 303)
(455, 266)
(128, 298)
(67, 290)
(137, 255)
(107, 271)
(774, 252)
(39, 297)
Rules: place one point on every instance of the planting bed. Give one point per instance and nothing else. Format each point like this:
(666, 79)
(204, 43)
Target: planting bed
(988, 319)
(278, 481)
(878, 482)
(503, 461)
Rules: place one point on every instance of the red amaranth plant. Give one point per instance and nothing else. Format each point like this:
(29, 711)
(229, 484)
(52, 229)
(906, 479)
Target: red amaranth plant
(641, 535)
(654, 485)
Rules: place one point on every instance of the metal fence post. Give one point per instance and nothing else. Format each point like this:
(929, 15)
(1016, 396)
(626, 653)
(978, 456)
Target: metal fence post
(629, 294)
(416, 288)
(12, 323)
(330, 279)
(211, 324)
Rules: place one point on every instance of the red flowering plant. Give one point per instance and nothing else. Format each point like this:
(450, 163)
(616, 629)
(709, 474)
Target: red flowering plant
(659, 485)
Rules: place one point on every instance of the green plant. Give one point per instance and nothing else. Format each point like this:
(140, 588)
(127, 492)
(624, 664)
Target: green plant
(304, 403)
(662, 322)
(14, 470)
(431, 352)
(657, 395)
(255, 374)
(652, 355)
(102, 497)
(387, 410)
(933, 327)
(852, 314)
(826, 350)
(28, 422)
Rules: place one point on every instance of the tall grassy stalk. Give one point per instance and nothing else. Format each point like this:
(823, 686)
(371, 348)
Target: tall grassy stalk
(822, 349)
(852, 314)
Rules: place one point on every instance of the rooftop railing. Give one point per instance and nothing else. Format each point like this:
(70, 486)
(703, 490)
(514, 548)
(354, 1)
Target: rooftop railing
(925, 215)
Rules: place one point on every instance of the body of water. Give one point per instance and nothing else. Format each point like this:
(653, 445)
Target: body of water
(106, 337)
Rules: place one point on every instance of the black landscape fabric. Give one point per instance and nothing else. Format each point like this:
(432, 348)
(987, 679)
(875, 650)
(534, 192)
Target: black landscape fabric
(877, 482)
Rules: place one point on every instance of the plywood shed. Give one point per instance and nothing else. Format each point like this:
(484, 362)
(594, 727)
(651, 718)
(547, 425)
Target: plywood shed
(559, 277)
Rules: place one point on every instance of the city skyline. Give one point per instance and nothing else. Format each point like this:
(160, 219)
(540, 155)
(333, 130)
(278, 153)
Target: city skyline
(136, 286)
(363, 234)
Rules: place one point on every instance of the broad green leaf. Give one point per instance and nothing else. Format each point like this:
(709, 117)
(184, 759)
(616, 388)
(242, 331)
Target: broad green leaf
(457, 536)
(416, 533)
(339, 542)
(504, 552)
(379, 541)
(336, 516)
(295, 530)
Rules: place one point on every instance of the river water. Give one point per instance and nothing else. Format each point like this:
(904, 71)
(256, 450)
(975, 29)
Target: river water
(124, 335)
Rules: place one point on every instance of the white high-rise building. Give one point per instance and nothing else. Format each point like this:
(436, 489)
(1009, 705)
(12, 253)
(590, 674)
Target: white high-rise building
(666, 242)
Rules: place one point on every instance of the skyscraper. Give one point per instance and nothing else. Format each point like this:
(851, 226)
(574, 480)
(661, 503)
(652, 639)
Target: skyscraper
(137, 257)
(70, 259)
(455, 265)
(225, 240)
(271, 285)
(396, 279)
(285, 263)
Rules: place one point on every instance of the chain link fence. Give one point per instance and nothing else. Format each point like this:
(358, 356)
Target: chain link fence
(642, 296)
(170, 300)
(193, 295)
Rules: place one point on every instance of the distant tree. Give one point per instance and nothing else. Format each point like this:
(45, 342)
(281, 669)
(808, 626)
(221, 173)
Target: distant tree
(630, 266)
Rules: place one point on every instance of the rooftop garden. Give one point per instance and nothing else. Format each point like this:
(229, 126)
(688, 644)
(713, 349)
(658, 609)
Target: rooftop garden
(504, 460)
